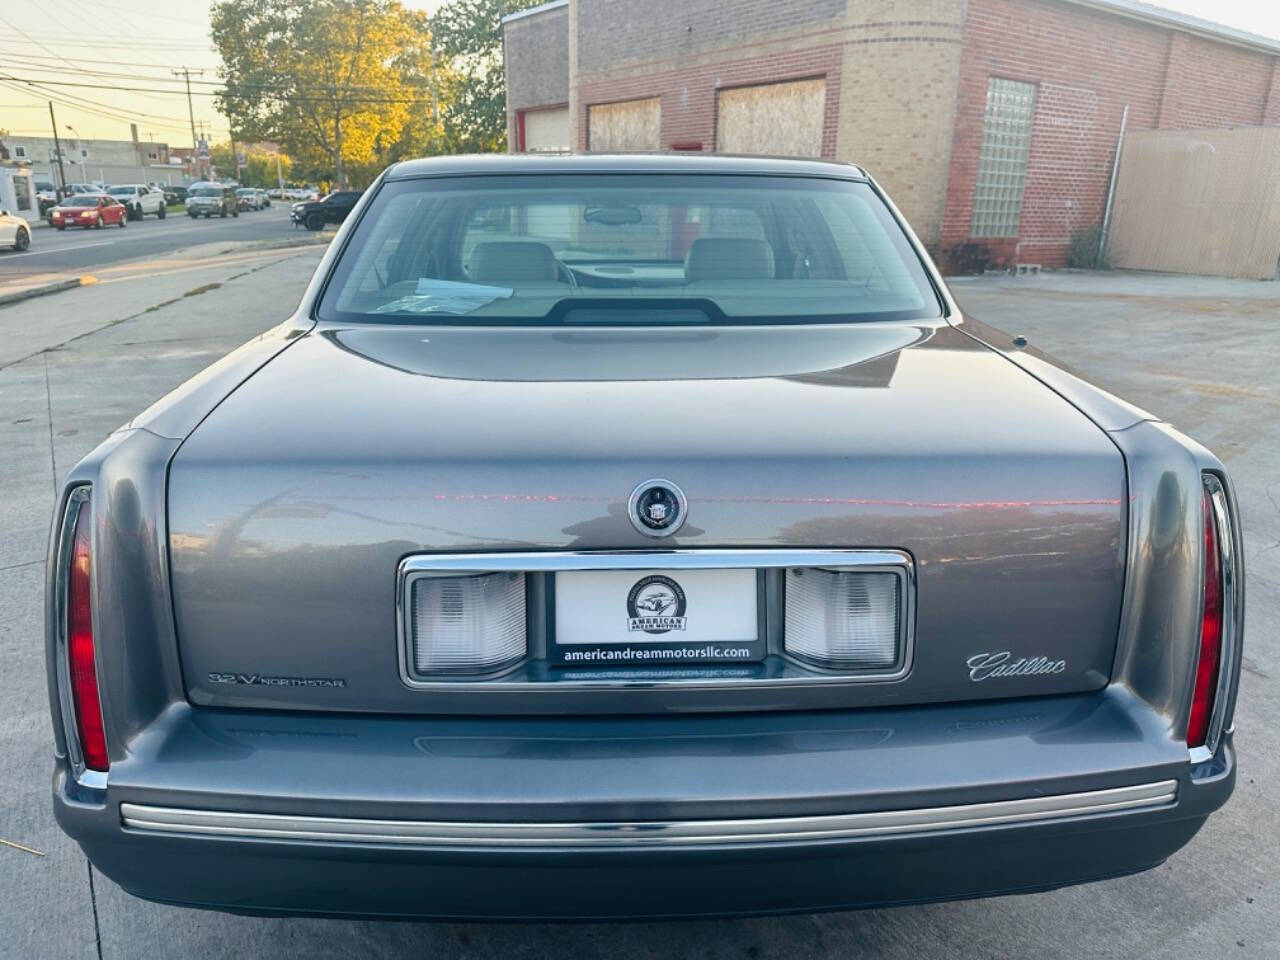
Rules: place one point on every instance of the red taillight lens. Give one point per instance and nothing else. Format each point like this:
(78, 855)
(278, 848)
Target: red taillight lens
(1210, 632)
(84, 674)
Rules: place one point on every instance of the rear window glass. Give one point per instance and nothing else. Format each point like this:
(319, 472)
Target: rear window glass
(618, 249)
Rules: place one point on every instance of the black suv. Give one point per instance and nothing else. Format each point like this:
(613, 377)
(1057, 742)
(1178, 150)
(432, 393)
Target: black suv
(314, 214)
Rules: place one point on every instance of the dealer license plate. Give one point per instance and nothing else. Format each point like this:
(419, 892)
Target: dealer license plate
(643, 618)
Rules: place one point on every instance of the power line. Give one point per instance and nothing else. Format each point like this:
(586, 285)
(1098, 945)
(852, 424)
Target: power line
(39, 86)
(62, 41)
(61, 59)
(289, 95)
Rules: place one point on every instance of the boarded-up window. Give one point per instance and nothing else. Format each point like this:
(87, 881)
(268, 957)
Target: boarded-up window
(631, 125)
(546, 131)
(1002, 158)
(780, 119)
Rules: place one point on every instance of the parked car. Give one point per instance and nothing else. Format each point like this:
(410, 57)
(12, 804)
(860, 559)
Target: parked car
(15, 232)
(175, 193)
(264, 199)
(211, 199)
(88, 210)
(46, 196)
(734, 570)
(83, 188)
(247, 199)
(140, 200)
(314, 214)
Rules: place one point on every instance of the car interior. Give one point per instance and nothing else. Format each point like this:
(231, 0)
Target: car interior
(619, 255)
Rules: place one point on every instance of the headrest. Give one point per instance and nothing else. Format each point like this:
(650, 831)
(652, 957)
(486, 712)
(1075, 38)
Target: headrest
(513, 260)
(728, 258)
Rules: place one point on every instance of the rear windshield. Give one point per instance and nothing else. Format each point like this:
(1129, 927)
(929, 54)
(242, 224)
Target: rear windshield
(619, 249)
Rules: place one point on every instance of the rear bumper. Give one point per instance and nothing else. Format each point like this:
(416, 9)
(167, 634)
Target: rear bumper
(653, 817)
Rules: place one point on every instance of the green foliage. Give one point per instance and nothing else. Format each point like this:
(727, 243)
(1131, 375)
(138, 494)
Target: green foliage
(259, 168)
(468, 34)
(344, 86)
(1082, 251)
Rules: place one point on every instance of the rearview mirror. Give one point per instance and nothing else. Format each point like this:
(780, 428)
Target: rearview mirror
(612, 216)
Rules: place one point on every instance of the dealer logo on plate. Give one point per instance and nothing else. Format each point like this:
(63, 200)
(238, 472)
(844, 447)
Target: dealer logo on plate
(656, 604)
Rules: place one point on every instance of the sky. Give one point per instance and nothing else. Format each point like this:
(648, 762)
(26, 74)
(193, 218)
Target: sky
(83, 68)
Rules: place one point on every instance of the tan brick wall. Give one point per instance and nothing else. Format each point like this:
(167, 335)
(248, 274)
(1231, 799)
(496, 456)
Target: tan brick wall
(891, 68)
(900, 74)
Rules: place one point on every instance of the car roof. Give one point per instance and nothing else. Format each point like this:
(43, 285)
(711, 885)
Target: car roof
(586, 163)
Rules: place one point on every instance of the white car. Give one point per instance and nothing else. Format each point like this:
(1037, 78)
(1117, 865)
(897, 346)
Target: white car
(14, 231)
(140, 199)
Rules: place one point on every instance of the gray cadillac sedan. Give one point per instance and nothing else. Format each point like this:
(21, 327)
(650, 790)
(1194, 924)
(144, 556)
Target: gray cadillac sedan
(636, 537)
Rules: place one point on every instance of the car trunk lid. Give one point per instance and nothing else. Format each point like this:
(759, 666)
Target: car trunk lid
(292, 505)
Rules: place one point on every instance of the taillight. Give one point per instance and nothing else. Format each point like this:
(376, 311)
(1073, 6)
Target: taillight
(86, 706)
(1216, 621)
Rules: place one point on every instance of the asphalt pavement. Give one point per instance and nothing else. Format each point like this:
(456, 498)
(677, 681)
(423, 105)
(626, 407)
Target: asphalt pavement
(1199, 352)
(82, 250)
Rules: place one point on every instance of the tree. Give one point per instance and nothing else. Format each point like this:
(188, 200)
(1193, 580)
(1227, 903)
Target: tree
(469, 34)
(259, 168)
(341, 84)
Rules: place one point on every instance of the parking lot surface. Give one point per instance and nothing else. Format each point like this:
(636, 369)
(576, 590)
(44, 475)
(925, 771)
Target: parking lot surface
(1199, 353)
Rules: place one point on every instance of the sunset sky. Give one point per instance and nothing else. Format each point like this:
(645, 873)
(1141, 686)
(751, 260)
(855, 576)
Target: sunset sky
(106, 64)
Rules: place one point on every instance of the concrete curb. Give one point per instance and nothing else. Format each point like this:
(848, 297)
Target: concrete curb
(39, 291)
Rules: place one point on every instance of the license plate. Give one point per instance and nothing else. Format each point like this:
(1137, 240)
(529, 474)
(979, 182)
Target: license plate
(643, 618)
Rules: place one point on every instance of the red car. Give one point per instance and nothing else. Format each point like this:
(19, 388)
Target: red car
(89, 210)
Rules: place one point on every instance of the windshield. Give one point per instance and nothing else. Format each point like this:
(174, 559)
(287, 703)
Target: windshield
(245, 193)
(205, 192)
(83, 200)
(122, 191)
(618, 249)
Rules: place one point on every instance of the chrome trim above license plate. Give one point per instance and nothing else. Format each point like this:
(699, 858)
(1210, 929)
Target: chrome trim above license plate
(645, 833)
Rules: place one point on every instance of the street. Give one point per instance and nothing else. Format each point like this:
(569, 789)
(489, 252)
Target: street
(1197, 351)
(78, 250)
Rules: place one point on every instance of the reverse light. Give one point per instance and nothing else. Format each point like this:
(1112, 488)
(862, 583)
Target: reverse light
(845, 619)
(1218, 629)
(467, 624)
(89, 748)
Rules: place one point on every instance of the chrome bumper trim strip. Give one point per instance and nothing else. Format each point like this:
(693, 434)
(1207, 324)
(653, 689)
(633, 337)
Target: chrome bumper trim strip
(645, 833)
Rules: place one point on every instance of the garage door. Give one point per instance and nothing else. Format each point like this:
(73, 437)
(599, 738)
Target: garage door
(626, 126)
(546, 131)
(782, 119)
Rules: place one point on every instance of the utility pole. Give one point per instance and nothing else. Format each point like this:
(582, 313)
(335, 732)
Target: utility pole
(57, 148)
(191, 113)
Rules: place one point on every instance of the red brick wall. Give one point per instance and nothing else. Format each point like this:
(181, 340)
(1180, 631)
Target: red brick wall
(689, 95)
(1087, 65)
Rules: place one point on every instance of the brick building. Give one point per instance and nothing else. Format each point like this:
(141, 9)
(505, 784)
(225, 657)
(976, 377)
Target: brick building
(992, 123)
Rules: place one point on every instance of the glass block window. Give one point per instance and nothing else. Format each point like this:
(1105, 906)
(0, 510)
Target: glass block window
(1002, 158)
